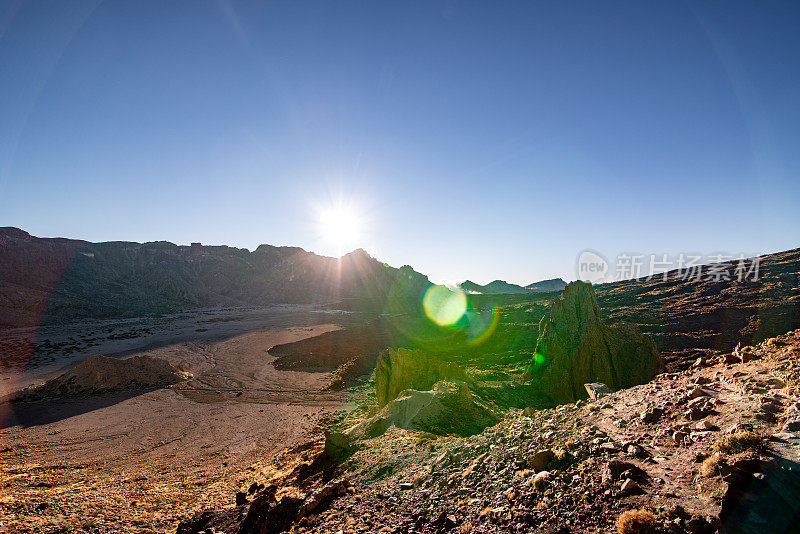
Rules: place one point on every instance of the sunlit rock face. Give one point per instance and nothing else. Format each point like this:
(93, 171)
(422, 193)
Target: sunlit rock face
(450, 407)
(575, 347)
(402, 369)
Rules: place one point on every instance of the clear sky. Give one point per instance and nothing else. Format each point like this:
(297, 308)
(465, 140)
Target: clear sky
(475, 140)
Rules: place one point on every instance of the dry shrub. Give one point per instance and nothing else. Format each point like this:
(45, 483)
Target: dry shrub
(739, 442)
(636, 522)
(711, 465)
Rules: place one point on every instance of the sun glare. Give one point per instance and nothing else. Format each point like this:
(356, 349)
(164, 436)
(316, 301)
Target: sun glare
(341, 227)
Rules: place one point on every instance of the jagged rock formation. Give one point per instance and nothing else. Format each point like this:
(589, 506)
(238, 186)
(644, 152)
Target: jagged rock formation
(101, 374)
(402, 369)
(46, 280)
(266, 514)
(449, 408)
(575, 347)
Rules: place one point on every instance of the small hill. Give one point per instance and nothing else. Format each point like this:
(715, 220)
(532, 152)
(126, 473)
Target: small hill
(101, 374)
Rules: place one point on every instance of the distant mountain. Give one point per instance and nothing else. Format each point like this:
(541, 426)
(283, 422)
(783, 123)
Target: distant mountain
(496, 287)
(502, 287)
(554, 284)
(44, 279)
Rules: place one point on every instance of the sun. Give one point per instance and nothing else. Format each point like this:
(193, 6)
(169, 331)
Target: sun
(340, 226)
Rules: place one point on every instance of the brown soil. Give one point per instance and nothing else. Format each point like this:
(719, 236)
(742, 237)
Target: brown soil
(138, 461)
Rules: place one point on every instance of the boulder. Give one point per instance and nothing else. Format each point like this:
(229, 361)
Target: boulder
(401, 369)
(541, 460)
(449, 408)
(575, 347)
(597, 390)
(337, 444)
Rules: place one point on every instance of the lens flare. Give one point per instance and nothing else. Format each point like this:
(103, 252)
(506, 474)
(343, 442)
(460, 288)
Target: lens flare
(444, 306)
(482, 325)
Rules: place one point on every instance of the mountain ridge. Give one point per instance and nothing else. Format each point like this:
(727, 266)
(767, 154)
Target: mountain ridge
(60, 279)
(497, 287)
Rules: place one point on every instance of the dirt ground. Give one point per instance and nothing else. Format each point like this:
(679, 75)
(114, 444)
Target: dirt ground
(139, 461)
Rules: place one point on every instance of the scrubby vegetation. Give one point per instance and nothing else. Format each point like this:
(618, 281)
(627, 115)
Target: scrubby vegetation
(636, 522)
(711, 465)
(737, 442)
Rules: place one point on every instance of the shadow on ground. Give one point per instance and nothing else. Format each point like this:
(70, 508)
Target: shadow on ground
(42, 412)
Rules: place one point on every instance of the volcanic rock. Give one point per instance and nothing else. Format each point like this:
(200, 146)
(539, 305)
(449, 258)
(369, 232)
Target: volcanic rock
(575, 347)
(450, 408)
(597, 390)
(400, 369)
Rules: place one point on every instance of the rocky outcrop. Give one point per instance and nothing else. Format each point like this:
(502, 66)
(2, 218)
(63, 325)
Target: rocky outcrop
(266, 514)
(449, 408)
(575, 347)
(400, 369)
(101, 374)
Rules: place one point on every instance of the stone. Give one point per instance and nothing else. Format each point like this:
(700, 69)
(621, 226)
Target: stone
(615, 468)
(697, 392)
(337, 444)
(401, 369)
(609, 447)
(635, 450)
(629, 487)
(444, 522)
(776, 383)
(731, 359)
(575, 347)
(651, 415)
(705, 426)
(541, 480)
(313, 500)
(255, 487)
(268, 515)
(541, 460)
(596, 390)
(679, 437)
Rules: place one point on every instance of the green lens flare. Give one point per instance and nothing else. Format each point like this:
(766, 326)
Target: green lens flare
(444, 306)
(480, 327)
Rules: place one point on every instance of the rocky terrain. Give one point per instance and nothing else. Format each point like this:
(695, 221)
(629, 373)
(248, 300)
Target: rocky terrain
(684, 316)
(711, 448)
(653, 405)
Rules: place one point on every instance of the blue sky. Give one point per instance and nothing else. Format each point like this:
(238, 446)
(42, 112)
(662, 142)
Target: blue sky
(475, 140)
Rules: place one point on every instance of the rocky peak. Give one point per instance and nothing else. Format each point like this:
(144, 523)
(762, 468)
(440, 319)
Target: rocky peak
(575, 347)
(577, 307)
(10, 232)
